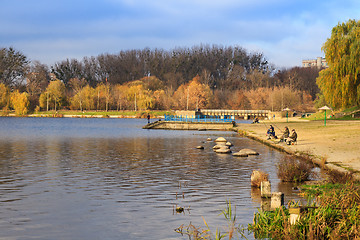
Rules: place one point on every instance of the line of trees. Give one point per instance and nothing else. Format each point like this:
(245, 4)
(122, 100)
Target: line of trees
(183, 78)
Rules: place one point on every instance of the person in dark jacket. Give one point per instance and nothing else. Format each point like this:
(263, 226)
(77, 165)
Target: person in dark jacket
(271, 132)
(285, 135)
(292, 138)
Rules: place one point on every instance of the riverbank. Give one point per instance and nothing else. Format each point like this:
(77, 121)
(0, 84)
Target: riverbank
(335, 146)
(92, 114)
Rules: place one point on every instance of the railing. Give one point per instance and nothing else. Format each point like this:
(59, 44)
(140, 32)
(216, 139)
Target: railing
(233, 112)
(197, 119)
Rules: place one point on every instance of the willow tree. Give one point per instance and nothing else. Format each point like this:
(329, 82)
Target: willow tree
(340, 83)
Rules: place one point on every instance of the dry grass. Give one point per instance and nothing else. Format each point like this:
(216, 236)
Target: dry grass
(292, 169)
(338, 177)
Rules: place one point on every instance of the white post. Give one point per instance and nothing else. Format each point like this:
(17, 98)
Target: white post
(277, 200)
(265, 187)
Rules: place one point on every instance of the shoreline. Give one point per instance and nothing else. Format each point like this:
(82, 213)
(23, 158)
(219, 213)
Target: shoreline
(333, 147)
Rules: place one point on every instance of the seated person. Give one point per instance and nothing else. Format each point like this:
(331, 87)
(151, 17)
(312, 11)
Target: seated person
(292, 138)
(285, 135)
(271, 132)
(256, 120)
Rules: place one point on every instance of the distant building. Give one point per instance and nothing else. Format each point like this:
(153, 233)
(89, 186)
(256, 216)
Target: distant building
(319, 62)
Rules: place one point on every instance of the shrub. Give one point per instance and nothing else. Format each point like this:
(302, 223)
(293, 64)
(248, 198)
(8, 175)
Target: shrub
(339, 177)
(292, 169)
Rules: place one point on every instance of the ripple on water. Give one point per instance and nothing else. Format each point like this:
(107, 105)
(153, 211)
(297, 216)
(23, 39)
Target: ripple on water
(119, 180)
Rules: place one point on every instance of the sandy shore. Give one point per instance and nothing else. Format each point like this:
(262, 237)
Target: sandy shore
(338, 142)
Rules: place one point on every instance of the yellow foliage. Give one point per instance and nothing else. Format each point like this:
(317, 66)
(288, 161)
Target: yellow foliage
(340, 83)
(4, 96)
(193, 95)
(20, 102)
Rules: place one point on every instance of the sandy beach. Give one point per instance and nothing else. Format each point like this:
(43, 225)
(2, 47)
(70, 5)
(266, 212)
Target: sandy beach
(337, 142)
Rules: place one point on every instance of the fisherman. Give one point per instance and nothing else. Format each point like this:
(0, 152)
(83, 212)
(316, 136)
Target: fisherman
(148, 118)
(292, 138)
(256, 120)
(285, 135)
(271, 132)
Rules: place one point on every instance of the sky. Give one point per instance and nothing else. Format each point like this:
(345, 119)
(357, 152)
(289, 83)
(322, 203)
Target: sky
(285, 31)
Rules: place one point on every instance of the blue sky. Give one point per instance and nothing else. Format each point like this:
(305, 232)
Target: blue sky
(285, 31)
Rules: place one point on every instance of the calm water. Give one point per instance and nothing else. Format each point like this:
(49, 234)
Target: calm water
(109, 179)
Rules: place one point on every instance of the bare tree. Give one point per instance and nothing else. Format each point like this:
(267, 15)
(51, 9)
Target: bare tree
(13, 67)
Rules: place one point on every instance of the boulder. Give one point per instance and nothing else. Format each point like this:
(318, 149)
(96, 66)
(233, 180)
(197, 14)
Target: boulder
(209, 139)
(200, 147)
(223, 150)
(229, 144)
(239, 154)
(257, 177)
(248, 151)
(220, 139)
(216, 147)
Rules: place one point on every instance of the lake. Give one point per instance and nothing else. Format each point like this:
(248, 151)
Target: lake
(76, 178)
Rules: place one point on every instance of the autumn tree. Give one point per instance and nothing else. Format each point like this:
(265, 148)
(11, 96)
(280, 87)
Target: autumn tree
(161, 100)
(193, 95)
(119, 96)
(340, 83)
(238, 100)
(4, 96)
(90, 97)
(258, 98)
(103, 96)
(20, 102)
(77, 85)
(54, 95)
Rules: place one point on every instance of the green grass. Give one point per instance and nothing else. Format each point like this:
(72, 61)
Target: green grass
(319, 116)
(316, 190)
(352, 109)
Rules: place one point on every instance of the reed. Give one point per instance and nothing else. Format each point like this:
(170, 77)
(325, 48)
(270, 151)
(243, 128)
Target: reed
(232, 231)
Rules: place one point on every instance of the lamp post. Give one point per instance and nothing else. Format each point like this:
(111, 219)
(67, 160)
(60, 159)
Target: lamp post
(287, 113)
(325, 108)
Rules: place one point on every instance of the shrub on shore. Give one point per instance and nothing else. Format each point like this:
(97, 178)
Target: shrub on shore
(292, 169)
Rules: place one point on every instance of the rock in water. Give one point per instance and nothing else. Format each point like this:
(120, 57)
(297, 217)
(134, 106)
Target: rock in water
(220, 139)
(257, 177)
(248, 151)
(223, 150)
(239, 154)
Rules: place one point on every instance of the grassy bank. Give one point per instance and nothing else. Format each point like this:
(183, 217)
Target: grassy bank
(334, 214)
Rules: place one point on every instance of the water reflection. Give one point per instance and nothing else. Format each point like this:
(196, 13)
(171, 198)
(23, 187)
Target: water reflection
(120, 181)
